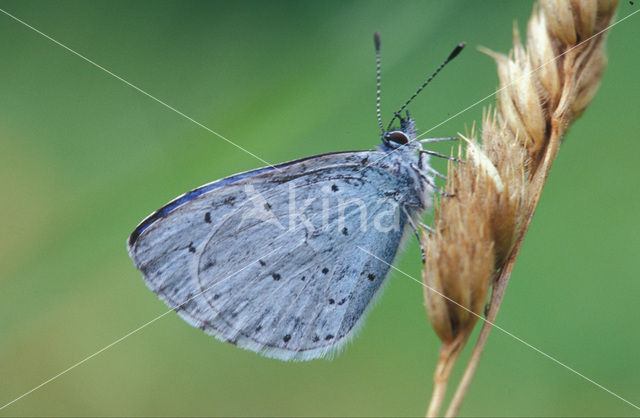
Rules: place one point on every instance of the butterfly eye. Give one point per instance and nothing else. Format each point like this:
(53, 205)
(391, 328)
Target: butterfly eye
(398, 137)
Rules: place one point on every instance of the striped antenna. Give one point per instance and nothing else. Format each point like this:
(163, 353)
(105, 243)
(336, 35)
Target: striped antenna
(451, 56)
(376, 41)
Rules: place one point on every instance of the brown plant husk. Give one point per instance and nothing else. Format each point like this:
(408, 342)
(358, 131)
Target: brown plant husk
(478, 232)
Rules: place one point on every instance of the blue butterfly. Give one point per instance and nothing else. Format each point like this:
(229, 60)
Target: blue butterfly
(275, 259)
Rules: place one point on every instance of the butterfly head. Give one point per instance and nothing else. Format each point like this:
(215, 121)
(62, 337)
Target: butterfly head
(396, 138)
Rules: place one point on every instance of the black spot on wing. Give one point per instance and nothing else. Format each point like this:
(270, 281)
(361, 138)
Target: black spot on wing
(169, 207)
(229, 200)
(174, 204)
(207, 217)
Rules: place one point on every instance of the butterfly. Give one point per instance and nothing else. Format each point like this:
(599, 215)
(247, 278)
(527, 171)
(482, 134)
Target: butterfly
(286, 260)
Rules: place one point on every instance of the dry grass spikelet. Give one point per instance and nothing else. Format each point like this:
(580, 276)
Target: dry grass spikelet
(459, 265)
(478, 232)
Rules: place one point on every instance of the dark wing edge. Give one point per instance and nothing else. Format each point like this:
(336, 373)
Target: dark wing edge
(190, 195)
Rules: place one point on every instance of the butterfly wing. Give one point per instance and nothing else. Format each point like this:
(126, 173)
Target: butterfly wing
(270, 259)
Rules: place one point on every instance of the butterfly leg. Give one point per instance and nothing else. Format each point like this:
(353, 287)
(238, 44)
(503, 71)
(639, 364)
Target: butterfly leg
(427, 227)
(429, 140)
(416, 232)
(435, 172)
(429, 182)
(422, 165)
(437, 154)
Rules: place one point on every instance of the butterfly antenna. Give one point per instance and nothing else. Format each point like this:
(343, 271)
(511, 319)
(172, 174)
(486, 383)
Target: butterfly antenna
(451, 56)
(376, 41)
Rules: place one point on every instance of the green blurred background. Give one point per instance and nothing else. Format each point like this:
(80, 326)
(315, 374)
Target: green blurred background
(84, 157)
